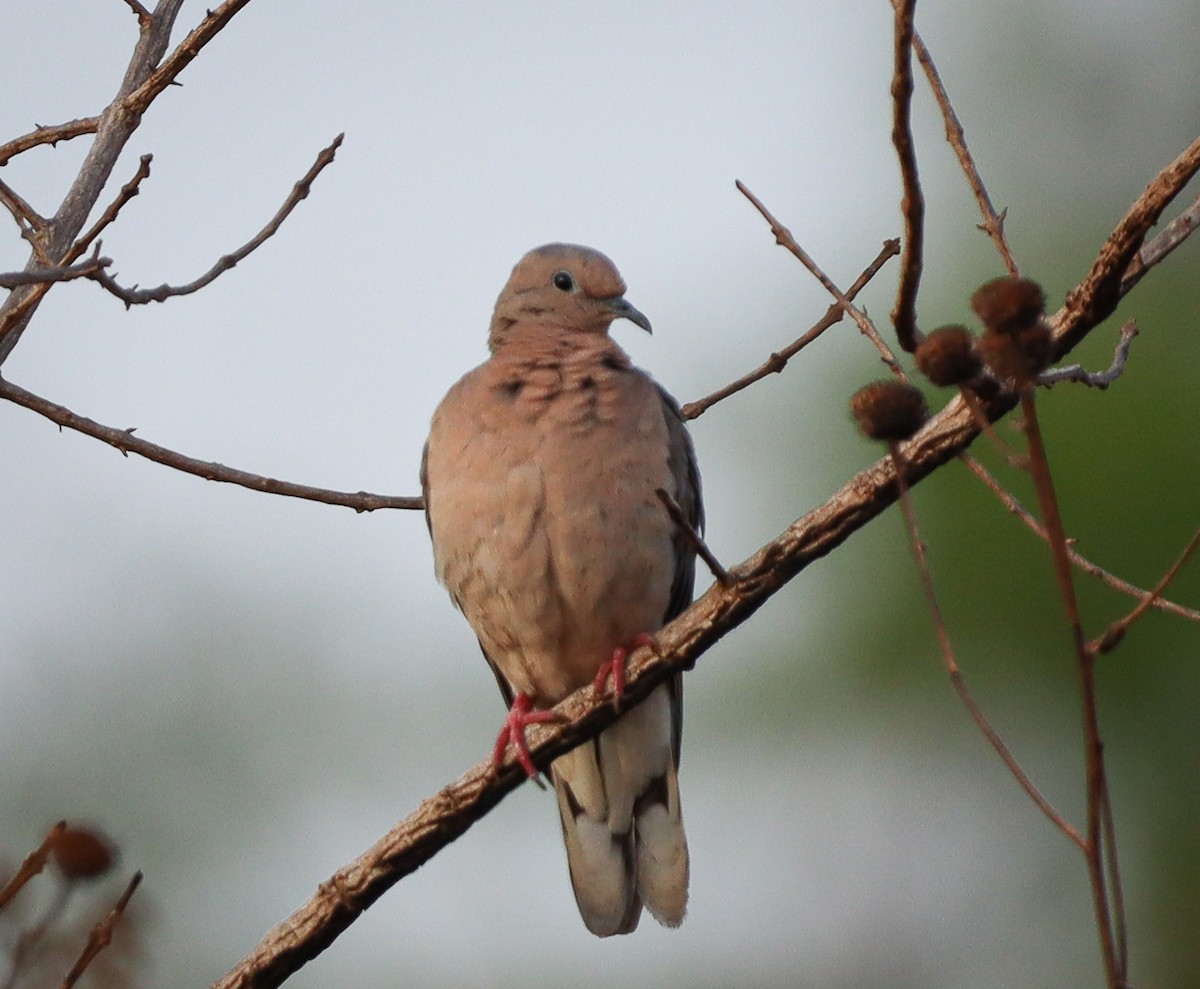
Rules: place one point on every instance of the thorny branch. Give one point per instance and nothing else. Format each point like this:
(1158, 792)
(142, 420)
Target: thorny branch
(134, 296)
(128, 191)
(113, 129)
(47, 135)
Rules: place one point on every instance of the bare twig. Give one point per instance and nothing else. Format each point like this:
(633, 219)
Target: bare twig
(1113, 867)
(128, 191)
(34, 863)
(164, 75)
(784, 238)
(127, 443)
(1116, 631)
(779, 360)
(135, 296)
(101, 935)
(993, 222)
(693, 537)
(1099, 841)
(1080, 561)
(1094, 379)
(28, 219)
(1176, 232)
(36, 276)
(1006, 449)
(912, 205)
(48, 135)
(955, 673)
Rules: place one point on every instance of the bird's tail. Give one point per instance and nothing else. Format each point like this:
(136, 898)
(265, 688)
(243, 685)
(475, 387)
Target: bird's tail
(618, 797)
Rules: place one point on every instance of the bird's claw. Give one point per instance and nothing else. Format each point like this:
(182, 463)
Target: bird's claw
(520, 716)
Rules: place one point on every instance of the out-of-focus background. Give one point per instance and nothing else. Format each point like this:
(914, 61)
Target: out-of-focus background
(245, 691)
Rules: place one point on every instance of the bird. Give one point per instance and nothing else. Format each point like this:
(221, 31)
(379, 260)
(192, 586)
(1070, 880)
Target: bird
(539, 477)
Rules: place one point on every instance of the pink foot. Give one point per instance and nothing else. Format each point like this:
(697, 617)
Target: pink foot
(614, 669)
(520, 716)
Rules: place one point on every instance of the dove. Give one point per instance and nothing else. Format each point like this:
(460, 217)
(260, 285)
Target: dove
(539, 477)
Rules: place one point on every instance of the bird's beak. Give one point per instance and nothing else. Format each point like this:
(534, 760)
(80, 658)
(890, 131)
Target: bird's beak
(623, 310)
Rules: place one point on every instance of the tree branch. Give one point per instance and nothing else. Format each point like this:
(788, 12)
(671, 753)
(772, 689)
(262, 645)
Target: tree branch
(114, 128)
(1176, 232)
(1116, 631)
(28, 219)
(139, 98)
(784, 238)
(127, 443)
(1094, 379)
(134, 296)
(993, 222)
(142, 14)
(779, 360)
(128, 191)
(1094, 299)
(59, 273)
(47, 135)
(954, 671)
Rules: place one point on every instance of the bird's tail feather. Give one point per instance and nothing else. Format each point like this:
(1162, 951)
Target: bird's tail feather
(618, 797)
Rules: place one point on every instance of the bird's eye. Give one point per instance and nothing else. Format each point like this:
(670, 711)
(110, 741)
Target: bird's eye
(563, 281)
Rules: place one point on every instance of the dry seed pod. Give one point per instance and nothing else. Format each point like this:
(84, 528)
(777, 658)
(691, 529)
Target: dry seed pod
(82, 853)
(1009, 305)
(947, 356)
(1018, 357)
(889, 410)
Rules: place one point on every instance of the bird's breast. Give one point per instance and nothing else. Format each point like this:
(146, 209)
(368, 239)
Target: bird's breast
(550, 526)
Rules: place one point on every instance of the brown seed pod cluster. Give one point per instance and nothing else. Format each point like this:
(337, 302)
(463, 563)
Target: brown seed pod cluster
(1016, 344)
(1015, 347)
(889, 409)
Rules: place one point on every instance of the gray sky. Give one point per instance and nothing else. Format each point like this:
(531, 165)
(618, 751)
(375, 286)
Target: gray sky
(246, 691)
